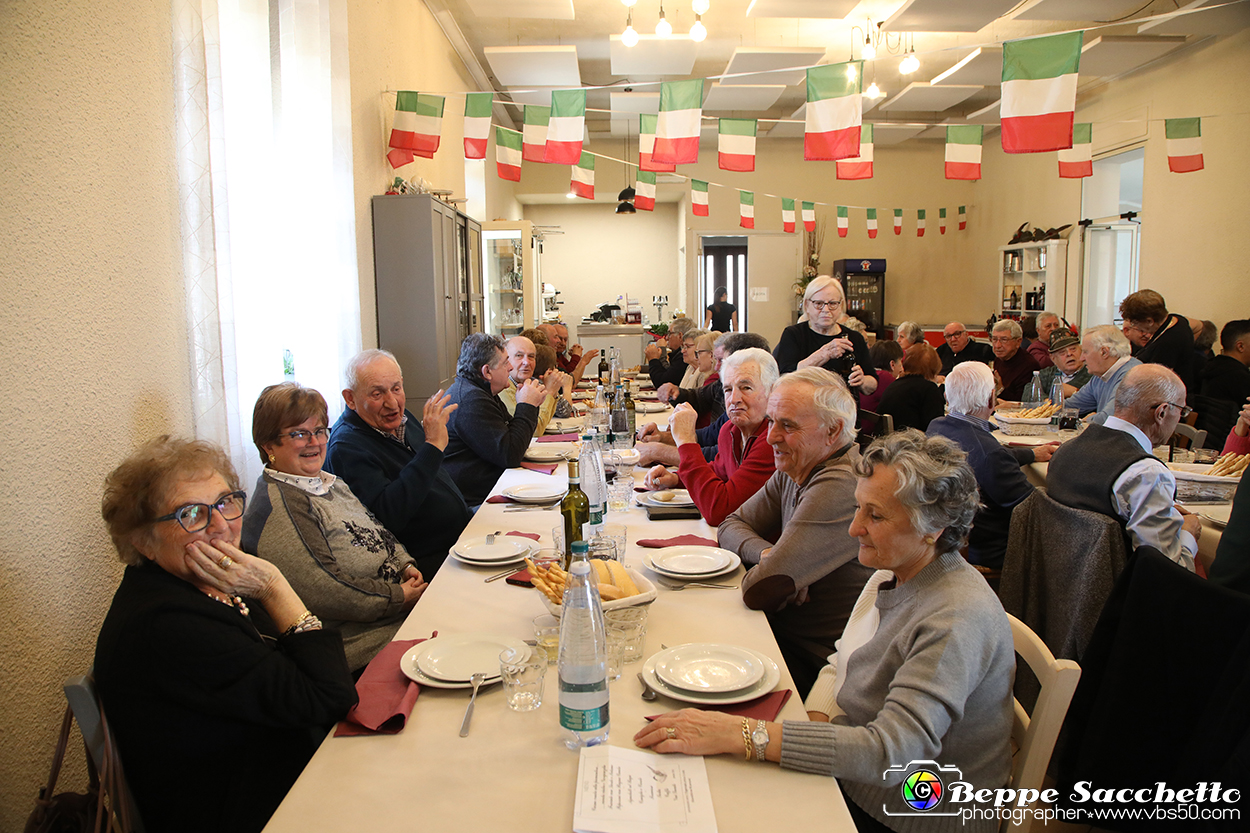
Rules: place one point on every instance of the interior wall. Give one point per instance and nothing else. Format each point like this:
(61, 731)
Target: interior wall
(93, 335)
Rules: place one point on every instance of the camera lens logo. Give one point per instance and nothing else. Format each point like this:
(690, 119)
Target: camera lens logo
(922, 790)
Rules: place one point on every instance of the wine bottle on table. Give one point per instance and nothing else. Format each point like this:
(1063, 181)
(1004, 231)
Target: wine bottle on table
(574, 511)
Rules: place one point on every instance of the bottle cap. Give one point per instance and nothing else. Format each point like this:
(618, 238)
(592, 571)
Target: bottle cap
(581, 546)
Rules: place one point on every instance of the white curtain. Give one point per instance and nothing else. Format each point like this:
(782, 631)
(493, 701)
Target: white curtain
(265, 170)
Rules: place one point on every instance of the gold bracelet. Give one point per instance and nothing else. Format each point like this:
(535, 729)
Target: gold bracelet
(746, 739)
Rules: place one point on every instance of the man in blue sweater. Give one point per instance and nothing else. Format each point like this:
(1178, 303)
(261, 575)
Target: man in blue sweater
(394, 464)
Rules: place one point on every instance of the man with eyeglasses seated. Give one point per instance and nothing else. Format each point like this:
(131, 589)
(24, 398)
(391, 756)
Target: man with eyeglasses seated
(1110, 469)
(960, 347)
(1013, 367)
(393, 463)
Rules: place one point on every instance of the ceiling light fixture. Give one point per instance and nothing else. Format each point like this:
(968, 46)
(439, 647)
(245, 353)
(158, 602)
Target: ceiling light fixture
(629, 4)
(627, 193)
(698, 32)
(873, 91)
(700, 6)
(869, 50)
(910, 63)
(630, 36)
(663, 28)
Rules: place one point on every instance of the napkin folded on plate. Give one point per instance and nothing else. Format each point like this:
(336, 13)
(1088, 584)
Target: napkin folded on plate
(678, 541)
(761, 708)
(545, 468)
(386, 694)
(558, 438)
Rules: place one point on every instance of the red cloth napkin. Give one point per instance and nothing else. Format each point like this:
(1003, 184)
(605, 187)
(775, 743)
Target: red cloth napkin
(679, 541)
(386, 694)
(761, 708)
(557, 438)
(499, 499)
(545, 468)
(533, 536)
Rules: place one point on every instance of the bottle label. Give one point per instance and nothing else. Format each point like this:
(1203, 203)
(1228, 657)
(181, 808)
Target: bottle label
(589, 719)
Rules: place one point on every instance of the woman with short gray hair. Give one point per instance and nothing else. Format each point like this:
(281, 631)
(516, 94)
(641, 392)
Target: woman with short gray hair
(820, 341)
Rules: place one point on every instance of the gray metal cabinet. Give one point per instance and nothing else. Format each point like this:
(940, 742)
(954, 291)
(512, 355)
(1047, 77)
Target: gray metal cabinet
(428, 271)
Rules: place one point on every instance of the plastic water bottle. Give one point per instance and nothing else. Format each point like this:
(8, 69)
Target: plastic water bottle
(1033, 394)
(599, 414)
(594, 484)
(583, 663)
(1056, 391)
(622, 410)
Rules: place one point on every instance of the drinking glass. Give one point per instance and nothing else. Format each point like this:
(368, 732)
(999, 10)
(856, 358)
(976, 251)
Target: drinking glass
(620, 490)
(1205, 455)
(1068, 422)
(630, 626)
(617, 534)
(616, 655)
(547, 635)
(523, 678)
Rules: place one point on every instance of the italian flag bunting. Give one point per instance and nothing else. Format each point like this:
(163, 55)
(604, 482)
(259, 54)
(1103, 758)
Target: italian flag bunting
(809, 216)
(861, 166)
(941, 221)
(698, 197)
(963, 151)
(417, 127)
(898, 221)
(920, 222)
(508, 154)
(1078, 160)
(477, 110)
(566, 127)
(644, 191)
(844, 221)
(736, 145)
(1184, 145)
(872, 223)
(534, 133)
(963, 217)
(787, 214)
(646, 145)
(833, 111)
(746, 209)
(681, 117)
(583, 183)
(1039, 92)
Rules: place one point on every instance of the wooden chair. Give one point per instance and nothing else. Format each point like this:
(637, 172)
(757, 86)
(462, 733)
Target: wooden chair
(1190, 436)
(89, 712)
(1034, 735)
(873, 425)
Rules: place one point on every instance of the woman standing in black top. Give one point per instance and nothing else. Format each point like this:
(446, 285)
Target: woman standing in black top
(821, 342)
(722, 316)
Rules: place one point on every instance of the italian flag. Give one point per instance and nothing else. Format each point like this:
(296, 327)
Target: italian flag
(677, 127)
(1078, 160)
(872, 223)
(583, 183)
(508, 154)
(844, 221)
(920, 222)
(861, 166)
(477, 110)
(746, 209)
(833, 111)
(1184, 145)
(418, 124)
(736, 145)
(898, 221)
(963, 217)
(646, 145)
(963, 151)
(534, 133)
(644, 191)
(809, 216)
(1039, 92)
(941, 221)
(566, 127)
(698, 197)
(787, 214)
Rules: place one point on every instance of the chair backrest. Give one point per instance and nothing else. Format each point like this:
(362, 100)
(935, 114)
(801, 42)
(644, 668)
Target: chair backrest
(1192, 437)
(81, 693)
(872, 425)
(1034, 735)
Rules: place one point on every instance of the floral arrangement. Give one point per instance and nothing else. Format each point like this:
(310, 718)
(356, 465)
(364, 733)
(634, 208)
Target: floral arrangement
(813, 242)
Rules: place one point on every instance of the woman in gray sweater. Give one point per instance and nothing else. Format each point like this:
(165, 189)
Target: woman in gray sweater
(922, 676)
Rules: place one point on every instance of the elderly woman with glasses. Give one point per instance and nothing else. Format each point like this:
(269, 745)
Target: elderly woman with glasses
(924, 669)
(349, 569)
(218, 682)
(821, 341)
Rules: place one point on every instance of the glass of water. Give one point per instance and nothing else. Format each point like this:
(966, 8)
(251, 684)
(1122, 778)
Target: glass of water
(523, 675)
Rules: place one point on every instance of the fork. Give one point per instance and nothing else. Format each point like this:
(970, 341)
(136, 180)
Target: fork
(477, 680)
(684, 585)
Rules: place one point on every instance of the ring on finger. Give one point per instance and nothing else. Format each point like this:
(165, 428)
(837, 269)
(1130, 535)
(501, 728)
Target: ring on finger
(225, 561)
(671, 732)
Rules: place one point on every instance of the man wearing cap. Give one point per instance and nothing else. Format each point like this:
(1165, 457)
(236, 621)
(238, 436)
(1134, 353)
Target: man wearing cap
(1067, 363)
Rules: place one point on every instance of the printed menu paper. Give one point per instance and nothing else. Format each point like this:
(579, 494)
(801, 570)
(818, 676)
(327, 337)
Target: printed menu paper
(630, 791)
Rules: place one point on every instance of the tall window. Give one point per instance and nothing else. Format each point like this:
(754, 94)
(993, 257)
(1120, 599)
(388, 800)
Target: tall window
(1112, 239)
(724, 265)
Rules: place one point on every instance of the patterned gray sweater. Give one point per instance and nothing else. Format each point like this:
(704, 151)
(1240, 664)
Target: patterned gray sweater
(344, 565)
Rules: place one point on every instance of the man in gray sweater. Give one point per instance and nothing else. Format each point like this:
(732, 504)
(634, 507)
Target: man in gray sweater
(793, 532)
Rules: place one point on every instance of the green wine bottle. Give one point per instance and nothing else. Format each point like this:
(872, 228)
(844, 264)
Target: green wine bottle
(575, 511)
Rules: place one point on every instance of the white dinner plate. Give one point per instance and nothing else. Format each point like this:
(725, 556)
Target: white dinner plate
(408, 664)
(772, 676)
(692, 562)
(650, 407)
(507, 548)
(708, 668)
(680, 498)
(456, 657)
(535, 492)
(572, 425)
(501, 562)
(547, 452)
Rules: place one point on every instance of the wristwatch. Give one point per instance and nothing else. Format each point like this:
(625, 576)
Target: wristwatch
(759, 739)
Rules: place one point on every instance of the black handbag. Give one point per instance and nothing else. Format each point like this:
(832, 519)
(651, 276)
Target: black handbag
(66, 812)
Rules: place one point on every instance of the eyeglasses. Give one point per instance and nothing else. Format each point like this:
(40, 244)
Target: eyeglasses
(300, 435)
(196, 516)
(823, 305)
(954, 335)
(1003, 339)
(1184, 409)
(702, 352)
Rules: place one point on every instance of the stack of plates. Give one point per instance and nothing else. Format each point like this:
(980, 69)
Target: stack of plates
(536, 492)
(548, 452)
(680, 498)
(650, 407)
(507, 549)
(451, 661)
(711, 674)
(692, 563)
(572, 425)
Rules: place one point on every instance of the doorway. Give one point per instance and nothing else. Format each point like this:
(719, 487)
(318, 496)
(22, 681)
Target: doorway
(1111, 199)
(723, 263)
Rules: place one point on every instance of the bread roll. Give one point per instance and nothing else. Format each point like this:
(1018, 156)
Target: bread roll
(602, 574)
(621, 579)
(609, 593)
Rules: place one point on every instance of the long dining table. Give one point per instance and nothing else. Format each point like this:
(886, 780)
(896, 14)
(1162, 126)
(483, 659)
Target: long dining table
(512, 769)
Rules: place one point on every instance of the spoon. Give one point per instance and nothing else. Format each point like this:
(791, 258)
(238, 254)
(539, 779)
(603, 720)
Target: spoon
(648, 693)
(477, 680)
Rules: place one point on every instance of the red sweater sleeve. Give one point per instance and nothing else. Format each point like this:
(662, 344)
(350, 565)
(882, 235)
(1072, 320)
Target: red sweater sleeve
(720, 487)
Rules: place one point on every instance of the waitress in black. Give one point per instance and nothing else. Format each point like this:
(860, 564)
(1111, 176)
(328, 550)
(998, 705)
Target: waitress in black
(821, 342)
(722, 316)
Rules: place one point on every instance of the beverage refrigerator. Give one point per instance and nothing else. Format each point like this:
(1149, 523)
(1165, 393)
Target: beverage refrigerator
(863, 283)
